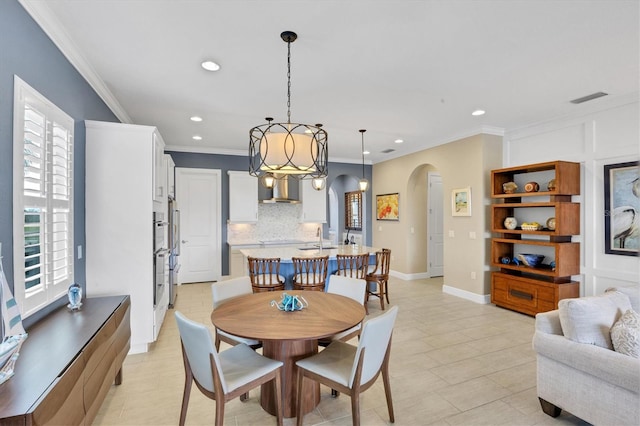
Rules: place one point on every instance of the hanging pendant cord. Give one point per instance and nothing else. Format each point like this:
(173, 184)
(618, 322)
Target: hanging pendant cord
(289, 82)
(362, 133)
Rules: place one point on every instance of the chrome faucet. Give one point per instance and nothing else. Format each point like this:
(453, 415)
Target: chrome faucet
(319, 235)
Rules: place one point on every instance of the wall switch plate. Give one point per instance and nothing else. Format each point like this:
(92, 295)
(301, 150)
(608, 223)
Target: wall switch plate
(380, 228)
(472, 235)
(473, 275)
(451, 233)
(79, 252)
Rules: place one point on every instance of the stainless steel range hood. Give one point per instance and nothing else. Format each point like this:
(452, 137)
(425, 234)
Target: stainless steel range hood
(281, 192)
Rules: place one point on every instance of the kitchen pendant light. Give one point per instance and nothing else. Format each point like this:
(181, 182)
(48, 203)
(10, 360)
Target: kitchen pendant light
(268, 180)
(288, 149)
(318, 183)
(363, 183)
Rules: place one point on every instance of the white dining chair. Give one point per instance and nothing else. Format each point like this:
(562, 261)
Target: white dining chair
(353, 288)
(350, 369)
(223, 291)
(226, 375)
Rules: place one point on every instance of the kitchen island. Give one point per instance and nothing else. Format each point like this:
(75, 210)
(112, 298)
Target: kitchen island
(286, 253)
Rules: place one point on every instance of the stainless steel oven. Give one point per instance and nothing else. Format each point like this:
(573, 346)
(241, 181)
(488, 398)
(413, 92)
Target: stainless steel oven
(161, 274)
(160, 257)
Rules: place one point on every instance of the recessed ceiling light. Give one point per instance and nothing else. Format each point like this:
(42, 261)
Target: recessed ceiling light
(478, 112)
(210, 66)
(197, 138)
(398, 141)
(196, 118)
(366, 152)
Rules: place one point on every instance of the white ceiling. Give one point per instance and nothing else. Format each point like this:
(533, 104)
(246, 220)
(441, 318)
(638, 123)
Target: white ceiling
(413, 70)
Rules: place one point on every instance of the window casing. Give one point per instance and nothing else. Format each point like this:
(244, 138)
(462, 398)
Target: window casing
(353, 210)
(42, 200)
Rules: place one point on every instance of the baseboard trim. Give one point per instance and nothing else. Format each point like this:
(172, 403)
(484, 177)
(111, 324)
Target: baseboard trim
(409, 277)
(482, 299)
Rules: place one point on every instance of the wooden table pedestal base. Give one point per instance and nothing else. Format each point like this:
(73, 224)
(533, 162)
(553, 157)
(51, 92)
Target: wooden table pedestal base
(289, 351)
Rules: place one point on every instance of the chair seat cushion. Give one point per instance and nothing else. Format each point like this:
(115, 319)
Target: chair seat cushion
(304, 279)
(334, 362)
(265, 280)
(248, 342)
(241, 365)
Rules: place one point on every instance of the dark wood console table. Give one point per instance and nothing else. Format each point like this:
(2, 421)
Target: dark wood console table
(67, 364)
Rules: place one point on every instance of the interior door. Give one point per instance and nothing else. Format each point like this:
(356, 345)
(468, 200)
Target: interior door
(435, 226)
(198, 192)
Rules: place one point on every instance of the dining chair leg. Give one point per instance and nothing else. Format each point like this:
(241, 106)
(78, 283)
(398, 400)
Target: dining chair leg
(279, 407)
(185, 400)
(355, 408)
(244, 397)
(386, 291)
(387, 388)
(219, 410)
(334, 393)
(299, 414)
(380, 285)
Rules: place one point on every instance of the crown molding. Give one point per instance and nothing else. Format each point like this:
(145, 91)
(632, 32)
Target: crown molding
(46, 19)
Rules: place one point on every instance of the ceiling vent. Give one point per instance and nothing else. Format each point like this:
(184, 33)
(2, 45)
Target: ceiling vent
(387, 151)
(589, 97)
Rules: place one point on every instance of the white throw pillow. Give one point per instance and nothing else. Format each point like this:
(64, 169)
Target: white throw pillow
(625, 334)
(589, 319)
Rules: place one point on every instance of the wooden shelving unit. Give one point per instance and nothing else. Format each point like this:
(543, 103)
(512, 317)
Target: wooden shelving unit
(516, 286)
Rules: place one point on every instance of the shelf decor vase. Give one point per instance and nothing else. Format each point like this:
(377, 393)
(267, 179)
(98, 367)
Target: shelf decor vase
(75, 297)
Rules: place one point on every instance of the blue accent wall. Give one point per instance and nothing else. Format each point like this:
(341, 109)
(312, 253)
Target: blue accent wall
(232, 162)
(26, 51)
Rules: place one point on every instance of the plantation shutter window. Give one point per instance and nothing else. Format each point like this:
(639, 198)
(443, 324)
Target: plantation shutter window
(43, 200)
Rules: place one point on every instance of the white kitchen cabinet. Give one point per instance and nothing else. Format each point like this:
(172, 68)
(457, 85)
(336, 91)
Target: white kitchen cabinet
(314, 203)
(171, 176)
(123, 180)
(159, 169)
(243, 197)
(237, 267)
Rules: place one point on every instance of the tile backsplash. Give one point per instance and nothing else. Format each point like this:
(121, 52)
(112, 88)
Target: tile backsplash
(275, 222)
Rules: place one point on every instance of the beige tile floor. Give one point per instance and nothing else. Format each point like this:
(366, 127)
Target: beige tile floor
(453, 362)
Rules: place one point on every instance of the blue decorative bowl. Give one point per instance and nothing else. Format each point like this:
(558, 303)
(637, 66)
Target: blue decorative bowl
(530, 260)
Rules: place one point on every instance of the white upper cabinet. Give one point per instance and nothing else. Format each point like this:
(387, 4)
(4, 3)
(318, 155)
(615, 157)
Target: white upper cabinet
(314, 203)
(171, 176)
(159, 171)
(243, 197)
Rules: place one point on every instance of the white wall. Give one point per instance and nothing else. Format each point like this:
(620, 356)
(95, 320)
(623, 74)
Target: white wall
(594, 140)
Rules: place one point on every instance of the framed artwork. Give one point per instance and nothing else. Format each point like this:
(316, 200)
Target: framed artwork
(387, 207)
(461, 202)
(622, 208)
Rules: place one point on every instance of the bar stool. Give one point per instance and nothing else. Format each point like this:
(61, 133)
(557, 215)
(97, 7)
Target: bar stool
(352, 265)
(310, 273)
(265, 274)
(380, 276)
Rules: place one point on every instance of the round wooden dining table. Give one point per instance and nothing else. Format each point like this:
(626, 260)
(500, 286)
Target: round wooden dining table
(288, 336)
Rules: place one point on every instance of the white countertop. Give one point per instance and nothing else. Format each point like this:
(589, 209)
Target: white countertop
(269, 243)
(286, 253)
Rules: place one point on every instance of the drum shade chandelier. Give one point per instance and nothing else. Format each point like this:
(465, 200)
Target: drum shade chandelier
(363, 183)
(280, 150)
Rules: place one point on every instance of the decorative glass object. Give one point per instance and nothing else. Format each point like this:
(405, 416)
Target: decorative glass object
(75, 297)
(290, 303)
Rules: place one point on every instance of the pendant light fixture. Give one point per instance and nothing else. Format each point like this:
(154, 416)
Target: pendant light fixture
(363, 183)
(288, 149)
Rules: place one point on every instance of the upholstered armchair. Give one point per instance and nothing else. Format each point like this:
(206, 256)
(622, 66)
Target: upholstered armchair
(580, 368)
